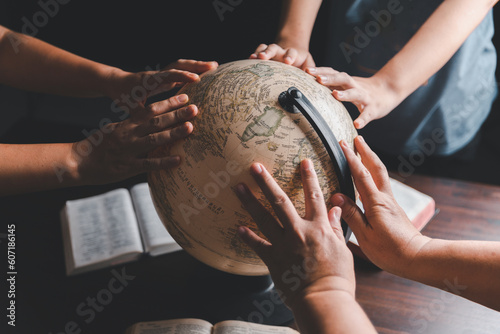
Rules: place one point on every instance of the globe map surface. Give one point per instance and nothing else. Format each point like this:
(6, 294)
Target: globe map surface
(240, 121)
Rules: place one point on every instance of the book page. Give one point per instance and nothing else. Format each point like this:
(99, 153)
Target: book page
(154, 234)
(242, 327)
(102, 227)
(409, 199)
(175, 326)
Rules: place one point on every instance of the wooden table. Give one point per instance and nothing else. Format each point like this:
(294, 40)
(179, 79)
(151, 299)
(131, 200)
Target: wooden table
(176, 285)
(397, 305)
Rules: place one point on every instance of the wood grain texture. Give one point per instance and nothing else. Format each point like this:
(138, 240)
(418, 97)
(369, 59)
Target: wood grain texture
(396, 305)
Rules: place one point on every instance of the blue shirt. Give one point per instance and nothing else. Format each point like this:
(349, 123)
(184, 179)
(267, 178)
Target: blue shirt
(440, 117)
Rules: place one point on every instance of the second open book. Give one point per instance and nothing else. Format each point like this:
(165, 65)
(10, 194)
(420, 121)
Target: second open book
(198, 326)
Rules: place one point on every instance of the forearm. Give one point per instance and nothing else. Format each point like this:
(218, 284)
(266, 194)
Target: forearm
(331, 312)
(34, 167)
(31, 64)
(297, 22)
(433, 45)
(470, 269)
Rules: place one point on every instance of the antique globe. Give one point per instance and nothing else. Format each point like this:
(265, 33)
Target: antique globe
(241, 121)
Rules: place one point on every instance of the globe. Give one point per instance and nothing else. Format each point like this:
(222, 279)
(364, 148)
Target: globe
(240, 121)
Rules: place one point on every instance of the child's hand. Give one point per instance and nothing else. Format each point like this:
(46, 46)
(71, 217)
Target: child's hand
(122, 86)
(373, 98)
(120, 150)
(306, 254)
(300, 58)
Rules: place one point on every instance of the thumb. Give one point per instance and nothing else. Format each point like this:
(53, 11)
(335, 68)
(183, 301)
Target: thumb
(259, 245)
(366, 116)
(352, 214)
(334, 218)
(309, 62)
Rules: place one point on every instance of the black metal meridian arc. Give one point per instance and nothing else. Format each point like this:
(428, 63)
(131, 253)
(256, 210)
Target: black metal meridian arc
(294, 101)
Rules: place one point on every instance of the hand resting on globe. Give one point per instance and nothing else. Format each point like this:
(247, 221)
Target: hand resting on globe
(310, 242)
(390, 241)
(309, 251)
(372, 96)
(295, 56)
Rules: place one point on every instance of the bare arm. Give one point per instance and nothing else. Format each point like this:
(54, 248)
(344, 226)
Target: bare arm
(297, 22)
(426, 52)
(312, 247)
(433, 45)
(292, 41)
(331, 312)
(25, 168)
(31, 64)
(470, 269)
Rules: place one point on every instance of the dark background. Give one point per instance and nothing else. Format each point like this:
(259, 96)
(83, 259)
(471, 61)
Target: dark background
(132, 36)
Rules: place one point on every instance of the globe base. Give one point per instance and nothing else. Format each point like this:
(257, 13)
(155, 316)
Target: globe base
(234, 297)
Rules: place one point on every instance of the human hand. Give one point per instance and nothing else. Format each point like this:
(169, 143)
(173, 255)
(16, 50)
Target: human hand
(119, 150)
(372, 96)
(297, 57)
(384, 232)
(309, 251)
(122, 86)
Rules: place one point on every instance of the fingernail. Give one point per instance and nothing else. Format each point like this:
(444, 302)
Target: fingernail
(336, 213)
(288, 59)
(307, 164)
(240, 189)
(189, 110)
(344, 143)
(311, 70)
(253, 55)
(182, 98)
(339, 94)
(241, 230)
(337, 200)
(322, 78)
(175, 159)
(256, 168)
(361, 139)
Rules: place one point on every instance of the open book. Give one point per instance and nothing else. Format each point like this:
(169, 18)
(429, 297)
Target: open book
(419, 207)
(111, 228)
(198, 326)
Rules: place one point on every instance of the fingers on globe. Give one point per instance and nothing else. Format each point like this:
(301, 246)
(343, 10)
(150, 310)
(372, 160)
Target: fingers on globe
(314, 199)
(373, 163)
(264, 219)
(279, 200)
